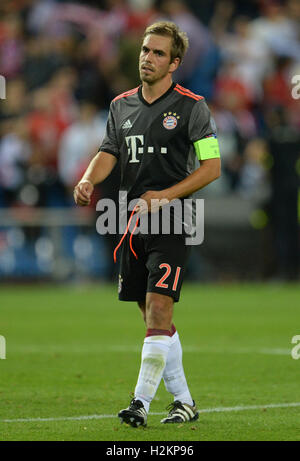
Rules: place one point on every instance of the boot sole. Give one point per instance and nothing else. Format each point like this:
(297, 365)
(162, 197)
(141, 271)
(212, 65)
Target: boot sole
(134, 420)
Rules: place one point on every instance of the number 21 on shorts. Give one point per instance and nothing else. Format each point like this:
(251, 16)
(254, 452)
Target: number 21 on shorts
(161, 283)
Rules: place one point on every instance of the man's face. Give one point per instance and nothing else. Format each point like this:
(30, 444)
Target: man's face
(155, 57)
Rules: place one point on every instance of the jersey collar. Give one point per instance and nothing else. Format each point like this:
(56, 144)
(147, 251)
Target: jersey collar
(156, 100)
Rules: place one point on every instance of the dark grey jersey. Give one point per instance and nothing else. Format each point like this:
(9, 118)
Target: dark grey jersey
(156, 143)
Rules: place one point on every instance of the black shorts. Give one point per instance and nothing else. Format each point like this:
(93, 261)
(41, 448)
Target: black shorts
(159, 268)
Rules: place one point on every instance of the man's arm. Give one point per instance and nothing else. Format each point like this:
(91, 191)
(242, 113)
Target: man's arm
(98, 170)
(202, 133)
(209, 171)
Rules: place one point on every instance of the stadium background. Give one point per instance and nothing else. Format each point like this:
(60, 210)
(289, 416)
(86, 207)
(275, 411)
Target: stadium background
(64, 62)
(68, 361)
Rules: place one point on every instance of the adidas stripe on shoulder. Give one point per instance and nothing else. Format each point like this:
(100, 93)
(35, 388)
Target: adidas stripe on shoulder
(185, 92)
(126, 94)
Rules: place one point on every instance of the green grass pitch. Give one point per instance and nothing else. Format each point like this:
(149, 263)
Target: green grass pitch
(74, 352)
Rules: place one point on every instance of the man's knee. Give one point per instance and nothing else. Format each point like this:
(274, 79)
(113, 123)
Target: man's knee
(159, 311)
(142, 306)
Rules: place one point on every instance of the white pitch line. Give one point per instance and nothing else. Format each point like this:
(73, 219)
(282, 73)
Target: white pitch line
(193, 349)
(203, 410)
(84, 349)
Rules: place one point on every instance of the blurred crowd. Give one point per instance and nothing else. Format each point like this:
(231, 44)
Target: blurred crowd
(64, 62)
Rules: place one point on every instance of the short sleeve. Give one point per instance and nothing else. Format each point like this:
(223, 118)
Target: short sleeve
(203, 132)
(110, 142)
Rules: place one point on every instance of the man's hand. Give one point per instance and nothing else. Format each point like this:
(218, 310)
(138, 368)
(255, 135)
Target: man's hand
(151, 201)
(83, 192)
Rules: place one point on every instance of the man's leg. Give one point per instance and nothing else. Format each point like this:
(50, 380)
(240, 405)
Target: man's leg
(158, 314)
(173, 375)
(164, 282)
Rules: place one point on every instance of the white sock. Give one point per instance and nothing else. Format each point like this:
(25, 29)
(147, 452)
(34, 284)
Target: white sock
(154, 357)
(173, 375)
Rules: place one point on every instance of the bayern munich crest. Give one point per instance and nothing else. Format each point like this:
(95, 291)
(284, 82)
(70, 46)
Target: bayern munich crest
(170, 121)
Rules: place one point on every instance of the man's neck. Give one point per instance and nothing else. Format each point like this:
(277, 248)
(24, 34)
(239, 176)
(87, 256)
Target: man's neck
(153, 92)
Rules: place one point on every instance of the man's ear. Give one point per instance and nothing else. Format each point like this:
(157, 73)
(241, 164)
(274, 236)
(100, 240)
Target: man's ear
(174, 64)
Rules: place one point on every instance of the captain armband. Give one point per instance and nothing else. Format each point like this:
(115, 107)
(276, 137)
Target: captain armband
(207, 147)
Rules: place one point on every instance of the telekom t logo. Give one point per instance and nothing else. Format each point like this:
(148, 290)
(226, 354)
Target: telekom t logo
(132, 143)
(135, 146)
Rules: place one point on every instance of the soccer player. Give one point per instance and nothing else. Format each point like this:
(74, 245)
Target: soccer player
(156, 131)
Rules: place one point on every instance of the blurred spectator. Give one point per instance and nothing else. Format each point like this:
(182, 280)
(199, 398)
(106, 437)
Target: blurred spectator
(16, 102)
(221, 17)
(102, 28)
(230, 91)
(234, 96)
(276, 29)
(236, 123)
(46, 123)
(284, 145)
(199, 36)
(40, 62)
(61, 95)
(251, 56)
(14, 157)
(79, 143)
(254, 184)
(45, 129)
(231, 142)
(277, 85)
(11, 46)
(92, 83)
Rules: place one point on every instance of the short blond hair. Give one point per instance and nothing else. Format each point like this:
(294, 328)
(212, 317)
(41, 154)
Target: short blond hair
(180, 41)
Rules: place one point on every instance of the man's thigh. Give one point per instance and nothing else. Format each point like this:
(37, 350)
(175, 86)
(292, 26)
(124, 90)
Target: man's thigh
(133, 273)
(167, 257)
(159, 267)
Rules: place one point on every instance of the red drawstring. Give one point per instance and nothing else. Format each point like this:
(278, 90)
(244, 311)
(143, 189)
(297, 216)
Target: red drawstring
(130, 239)
(124, 235)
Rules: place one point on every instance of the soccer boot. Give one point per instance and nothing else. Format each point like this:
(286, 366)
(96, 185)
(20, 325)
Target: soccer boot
(181, 413)
(135, 414)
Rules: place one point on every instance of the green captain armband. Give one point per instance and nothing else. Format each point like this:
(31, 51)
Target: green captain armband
(207, 148)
